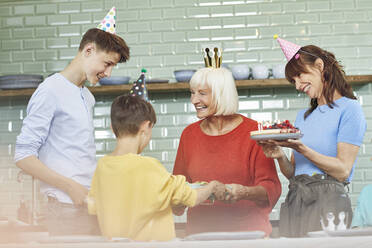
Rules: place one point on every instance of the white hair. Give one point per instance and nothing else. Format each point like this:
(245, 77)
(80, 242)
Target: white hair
(222, 85)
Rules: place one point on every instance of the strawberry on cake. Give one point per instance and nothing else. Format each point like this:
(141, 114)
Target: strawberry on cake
(278, 131)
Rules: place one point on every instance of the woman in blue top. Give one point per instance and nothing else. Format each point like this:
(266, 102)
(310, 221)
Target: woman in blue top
(323, 160)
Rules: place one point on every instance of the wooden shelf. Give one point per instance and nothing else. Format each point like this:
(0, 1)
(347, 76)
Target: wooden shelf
(174, 87)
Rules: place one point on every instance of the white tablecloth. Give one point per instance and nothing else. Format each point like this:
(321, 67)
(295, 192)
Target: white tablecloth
(324, 242)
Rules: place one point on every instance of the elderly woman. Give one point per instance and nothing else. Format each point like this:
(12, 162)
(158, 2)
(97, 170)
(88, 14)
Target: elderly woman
(219, 147)
(323, 161)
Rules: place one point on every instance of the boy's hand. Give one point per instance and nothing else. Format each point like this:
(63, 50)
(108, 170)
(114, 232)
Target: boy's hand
(77, 193)
(178, 209)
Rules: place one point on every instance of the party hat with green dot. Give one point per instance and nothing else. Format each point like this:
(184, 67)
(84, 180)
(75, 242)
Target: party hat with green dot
(139, 87)
(108, 23)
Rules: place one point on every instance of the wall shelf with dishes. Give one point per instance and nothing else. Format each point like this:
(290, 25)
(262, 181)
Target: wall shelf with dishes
(182, 86)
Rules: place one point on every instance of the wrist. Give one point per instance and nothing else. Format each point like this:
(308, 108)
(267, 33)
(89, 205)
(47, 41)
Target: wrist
(246, 192)
(68, 185)
(304, 150)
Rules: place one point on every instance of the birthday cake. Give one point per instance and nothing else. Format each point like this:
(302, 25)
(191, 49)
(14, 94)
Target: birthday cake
(280, 130)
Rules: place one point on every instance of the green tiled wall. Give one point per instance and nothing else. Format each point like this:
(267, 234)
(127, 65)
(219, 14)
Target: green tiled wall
(41, 37)
(243, 28)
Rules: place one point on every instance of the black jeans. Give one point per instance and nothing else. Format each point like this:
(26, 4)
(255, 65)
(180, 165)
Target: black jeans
(66, 219)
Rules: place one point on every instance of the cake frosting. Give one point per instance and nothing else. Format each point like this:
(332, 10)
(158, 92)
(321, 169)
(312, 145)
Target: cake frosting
(276, 128)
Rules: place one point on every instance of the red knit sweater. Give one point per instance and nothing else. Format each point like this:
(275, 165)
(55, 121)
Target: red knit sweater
(230, 158)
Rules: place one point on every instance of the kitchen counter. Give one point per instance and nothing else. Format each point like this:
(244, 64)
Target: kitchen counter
(329, 242)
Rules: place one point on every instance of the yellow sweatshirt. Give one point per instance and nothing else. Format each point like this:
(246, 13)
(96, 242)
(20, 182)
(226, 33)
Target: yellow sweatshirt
(132, 197)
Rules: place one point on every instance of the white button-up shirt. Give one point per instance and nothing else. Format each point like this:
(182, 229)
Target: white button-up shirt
(59, 131)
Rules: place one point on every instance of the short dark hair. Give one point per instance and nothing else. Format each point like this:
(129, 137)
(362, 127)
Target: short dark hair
(128, 113)
(107, 42)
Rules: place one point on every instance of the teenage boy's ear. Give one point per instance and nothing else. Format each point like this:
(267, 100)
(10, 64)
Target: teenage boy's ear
(89, 49)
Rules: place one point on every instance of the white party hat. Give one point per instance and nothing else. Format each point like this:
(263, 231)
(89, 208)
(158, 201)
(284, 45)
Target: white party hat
(108, 23)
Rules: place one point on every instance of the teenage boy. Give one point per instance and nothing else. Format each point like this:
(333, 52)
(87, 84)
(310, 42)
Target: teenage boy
(56, 143)
(133, 195)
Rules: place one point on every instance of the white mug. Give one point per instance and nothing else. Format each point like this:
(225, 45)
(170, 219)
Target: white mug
(240, 71)
(260, 72)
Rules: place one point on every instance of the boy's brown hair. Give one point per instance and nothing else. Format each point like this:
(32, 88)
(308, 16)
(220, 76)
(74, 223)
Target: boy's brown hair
(106, 42)
(128, 113)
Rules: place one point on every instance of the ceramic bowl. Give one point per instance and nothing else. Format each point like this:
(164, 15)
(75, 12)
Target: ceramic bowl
(260, 72)
(240, 71)
(183, 75)
(279, 71)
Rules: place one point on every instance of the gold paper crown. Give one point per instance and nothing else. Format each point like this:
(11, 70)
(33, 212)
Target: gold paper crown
(212, 57)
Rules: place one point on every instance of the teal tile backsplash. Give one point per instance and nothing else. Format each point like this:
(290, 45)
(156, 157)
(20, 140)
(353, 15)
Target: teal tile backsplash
(41, 37)
(46, 9)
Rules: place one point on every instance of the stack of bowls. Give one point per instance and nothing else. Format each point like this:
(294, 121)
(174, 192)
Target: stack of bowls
(20, 81)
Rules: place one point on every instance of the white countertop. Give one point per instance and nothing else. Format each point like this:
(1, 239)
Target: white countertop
(323, 242)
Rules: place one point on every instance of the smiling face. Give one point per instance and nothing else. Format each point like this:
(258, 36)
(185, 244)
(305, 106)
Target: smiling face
(310, 83)
(98, 63)
(308, 78)
(201, 98)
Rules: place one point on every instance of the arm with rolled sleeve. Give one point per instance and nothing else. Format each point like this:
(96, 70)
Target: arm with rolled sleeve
(36, 126)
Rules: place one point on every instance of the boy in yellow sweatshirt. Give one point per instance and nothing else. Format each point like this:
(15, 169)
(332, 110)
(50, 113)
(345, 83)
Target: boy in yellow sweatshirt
(133, 195)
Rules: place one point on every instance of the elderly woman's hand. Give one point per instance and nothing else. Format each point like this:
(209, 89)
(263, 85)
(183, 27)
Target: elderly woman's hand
(235, 192)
